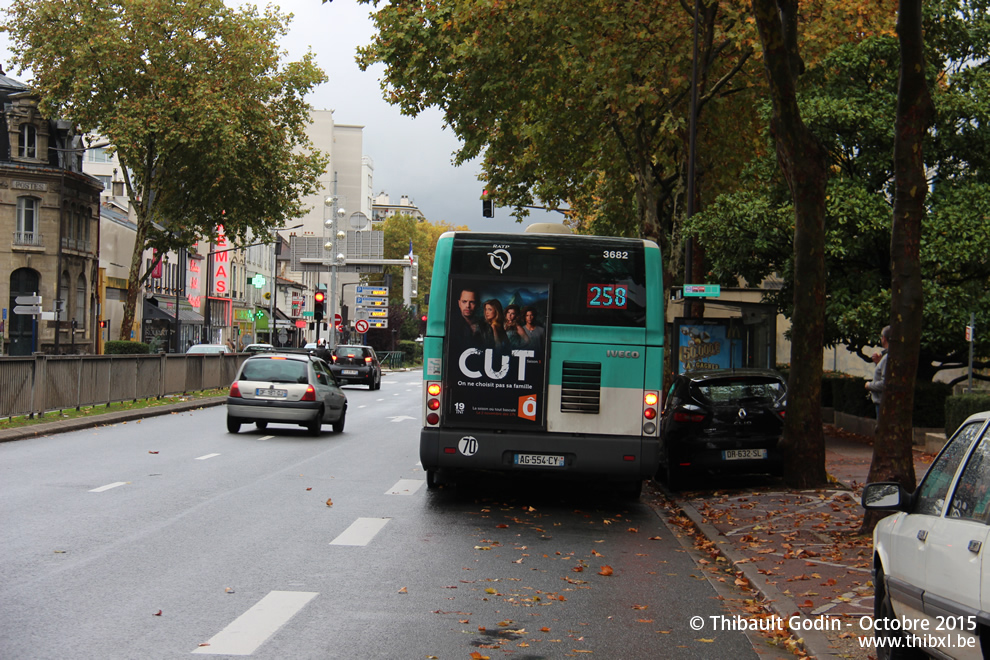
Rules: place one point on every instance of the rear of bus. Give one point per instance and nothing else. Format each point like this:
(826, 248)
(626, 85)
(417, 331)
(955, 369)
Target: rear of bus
(575, 391)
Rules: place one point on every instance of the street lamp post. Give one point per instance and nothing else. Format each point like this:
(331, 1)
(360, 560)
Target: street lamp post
(336, 258)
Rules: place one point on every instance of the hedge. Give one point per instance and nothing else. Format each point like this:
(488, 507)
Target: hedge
(961, 406)
(118, 347)
(412, 349)
(847, 394)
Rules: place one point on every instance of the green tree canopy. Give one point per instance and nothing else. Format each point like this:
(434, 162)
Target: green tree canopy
(849, 99)
(207, 122)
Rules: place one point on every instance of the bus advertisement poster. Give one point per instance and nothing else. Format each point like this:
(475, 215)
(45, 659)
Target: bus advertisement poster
(707, 346)
(497, 352)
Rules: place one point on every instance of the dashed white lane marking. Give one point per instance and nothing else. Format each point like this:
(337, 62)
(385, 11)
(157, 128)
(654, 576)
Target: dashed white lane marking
(251, 629)
(203, 458)
(267, 437)
(361, 531)
(405, 487)
(108, 486)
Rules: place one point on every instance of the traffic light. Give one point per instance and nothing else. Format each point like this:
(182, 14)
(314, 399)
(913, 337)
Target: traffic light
(487, 208)
(104, 323)
(318, 305)
(422, 325)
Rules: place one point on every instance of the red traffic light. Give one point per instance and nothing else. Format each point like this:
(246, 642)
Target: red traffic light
(320, 296)
(423, 318)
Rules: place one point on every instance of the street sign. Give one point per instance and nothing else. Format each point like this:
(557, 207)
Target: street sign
(371, 291)
(307, 314)
(361, 326)
(378, 323)
(300, 323)
(337, 320)
(33, 310)
(27, 300)
(377, 314)
(702, 290)
(370, 302)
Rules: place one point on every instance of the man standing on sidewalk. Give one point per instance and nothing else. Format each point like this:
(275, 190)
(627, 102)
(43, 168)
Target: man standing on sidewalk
(875, 386)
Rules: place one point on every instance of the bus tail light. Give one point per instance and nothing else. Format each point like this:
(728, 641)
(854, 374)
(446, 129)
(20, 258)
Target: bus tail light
(433, 390)
(650, 401)
(235, 391)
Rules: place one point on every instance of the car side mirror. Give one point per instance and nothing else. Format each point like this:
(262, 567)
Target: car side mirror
(885, 496)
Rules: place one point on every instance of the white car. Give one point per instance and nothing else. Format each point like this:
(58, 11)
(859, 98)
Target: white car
(206, 349)
(931, 559)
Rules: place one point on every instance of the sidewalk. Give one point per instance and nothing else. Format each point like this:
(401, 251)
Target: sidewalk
(800, 549)
(103, 419)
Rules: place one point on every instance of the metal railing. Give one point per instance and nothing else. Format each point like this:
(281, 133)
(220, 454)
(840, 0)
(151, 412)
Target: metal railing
(41, 383)
(392, 359)
(27, 238)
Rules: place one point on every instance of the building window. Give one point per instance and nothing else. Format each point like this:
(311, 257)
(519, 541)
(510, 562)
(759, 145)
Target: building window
(105, 180)
(98, 155)
(79, 313)
(28, 147)
(27, 222)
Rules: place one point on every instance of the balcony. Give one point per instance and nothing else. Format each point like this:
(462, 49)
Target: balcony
(76, 244)
(31, 238)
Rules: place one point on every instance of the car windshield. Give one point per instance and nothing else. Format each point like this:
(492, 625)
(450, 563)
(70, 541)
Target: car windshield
(350, 352)
(275, 371)
(736, 391)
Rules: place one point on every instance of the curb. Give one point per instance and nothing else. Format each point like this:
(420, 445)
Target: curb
(103, 419)
(814, 642)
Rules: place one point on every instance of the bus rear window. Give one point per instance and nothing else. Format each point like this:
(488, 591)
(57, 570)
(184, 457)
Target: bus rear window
(597, 281)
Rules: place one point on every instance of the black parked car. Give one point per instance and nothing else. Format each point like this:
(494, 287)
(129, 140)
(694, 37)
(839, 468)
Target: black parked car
(357, 364)
(721, 421)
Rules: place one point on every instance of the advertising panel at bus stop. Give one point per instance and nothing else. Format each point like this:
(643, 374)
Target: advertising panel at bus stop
(497, 352)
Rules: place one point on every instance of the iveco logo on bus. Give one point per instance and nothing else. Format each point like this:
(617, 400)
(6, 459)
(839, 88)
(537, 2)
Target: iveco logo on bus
(622, 354)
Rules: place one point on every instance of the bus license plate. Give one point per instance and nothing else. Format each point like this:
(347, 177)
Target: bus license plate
(743, 454)
(278, 393)
(540, 460)
(349, 372)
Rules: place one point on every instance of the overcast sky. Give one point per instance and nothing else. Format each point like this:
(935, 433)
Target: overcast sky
(411, 156)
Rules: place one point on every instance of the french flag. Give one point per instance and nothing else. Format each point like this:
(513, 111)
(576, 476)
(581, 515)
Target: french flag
(410, 253)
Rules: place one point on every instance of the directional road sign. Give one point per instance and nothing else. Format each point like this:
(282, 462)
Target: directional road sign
(34, 310)
(371, 301)
(27, 300)
(371, 291)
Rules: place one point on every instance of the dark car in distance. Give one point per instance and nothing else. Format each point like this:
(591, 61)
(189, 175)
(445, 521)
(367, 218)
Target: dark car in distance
(725, 421)
(357, 364)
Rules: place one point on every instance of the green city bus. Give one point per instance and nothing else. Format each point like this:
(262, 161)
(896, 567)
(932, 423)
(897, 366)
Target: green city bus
(543, 352)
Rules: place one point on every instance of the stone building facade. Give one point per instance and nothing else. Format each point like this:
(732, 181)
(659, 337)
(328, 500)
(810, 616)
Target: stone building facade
(50, 214)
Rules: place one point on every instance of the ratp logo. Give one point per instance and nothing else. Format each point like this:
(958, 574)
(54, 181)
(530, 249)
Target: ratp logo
(527, 407)
(500, 260)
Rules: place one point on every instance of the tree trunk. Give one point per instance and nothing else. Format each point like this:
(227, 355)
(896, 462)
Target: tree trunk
(134, 278)
(802, 160)
(893, 459)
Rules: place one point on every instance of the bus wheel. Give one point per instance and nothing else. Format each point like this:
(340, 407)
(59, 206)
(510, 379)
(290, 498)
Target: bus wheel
(431, 479)
(633, 489)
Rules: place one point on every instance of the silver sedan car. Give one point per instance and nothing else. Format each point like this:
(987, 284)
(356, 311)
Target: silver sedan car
(285, 388)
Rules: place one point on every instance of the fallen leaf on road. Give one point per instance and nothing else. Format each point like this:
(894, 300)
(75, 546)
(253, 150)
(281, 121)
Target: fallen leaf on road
(633, 530)
(152, 452)
(640, 607)
(158, 613)
(329, 502)
(544, 629)
(706, 641)
(477, 656)
(229, 590)
(807, 603)
(403, 590)
(204, 644)
(606, 571)
(309, 489)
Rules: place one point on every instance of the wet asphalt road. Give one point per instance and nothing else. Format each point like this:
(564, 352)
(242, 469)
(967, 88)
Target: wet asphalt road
(170, 537)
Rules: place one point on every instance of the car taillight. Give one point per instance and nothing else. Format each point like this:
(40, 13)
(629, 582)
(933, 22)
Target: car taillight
(310, 394)
(367, 358)
(681, 416)
(235, 391)
(782, 413)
